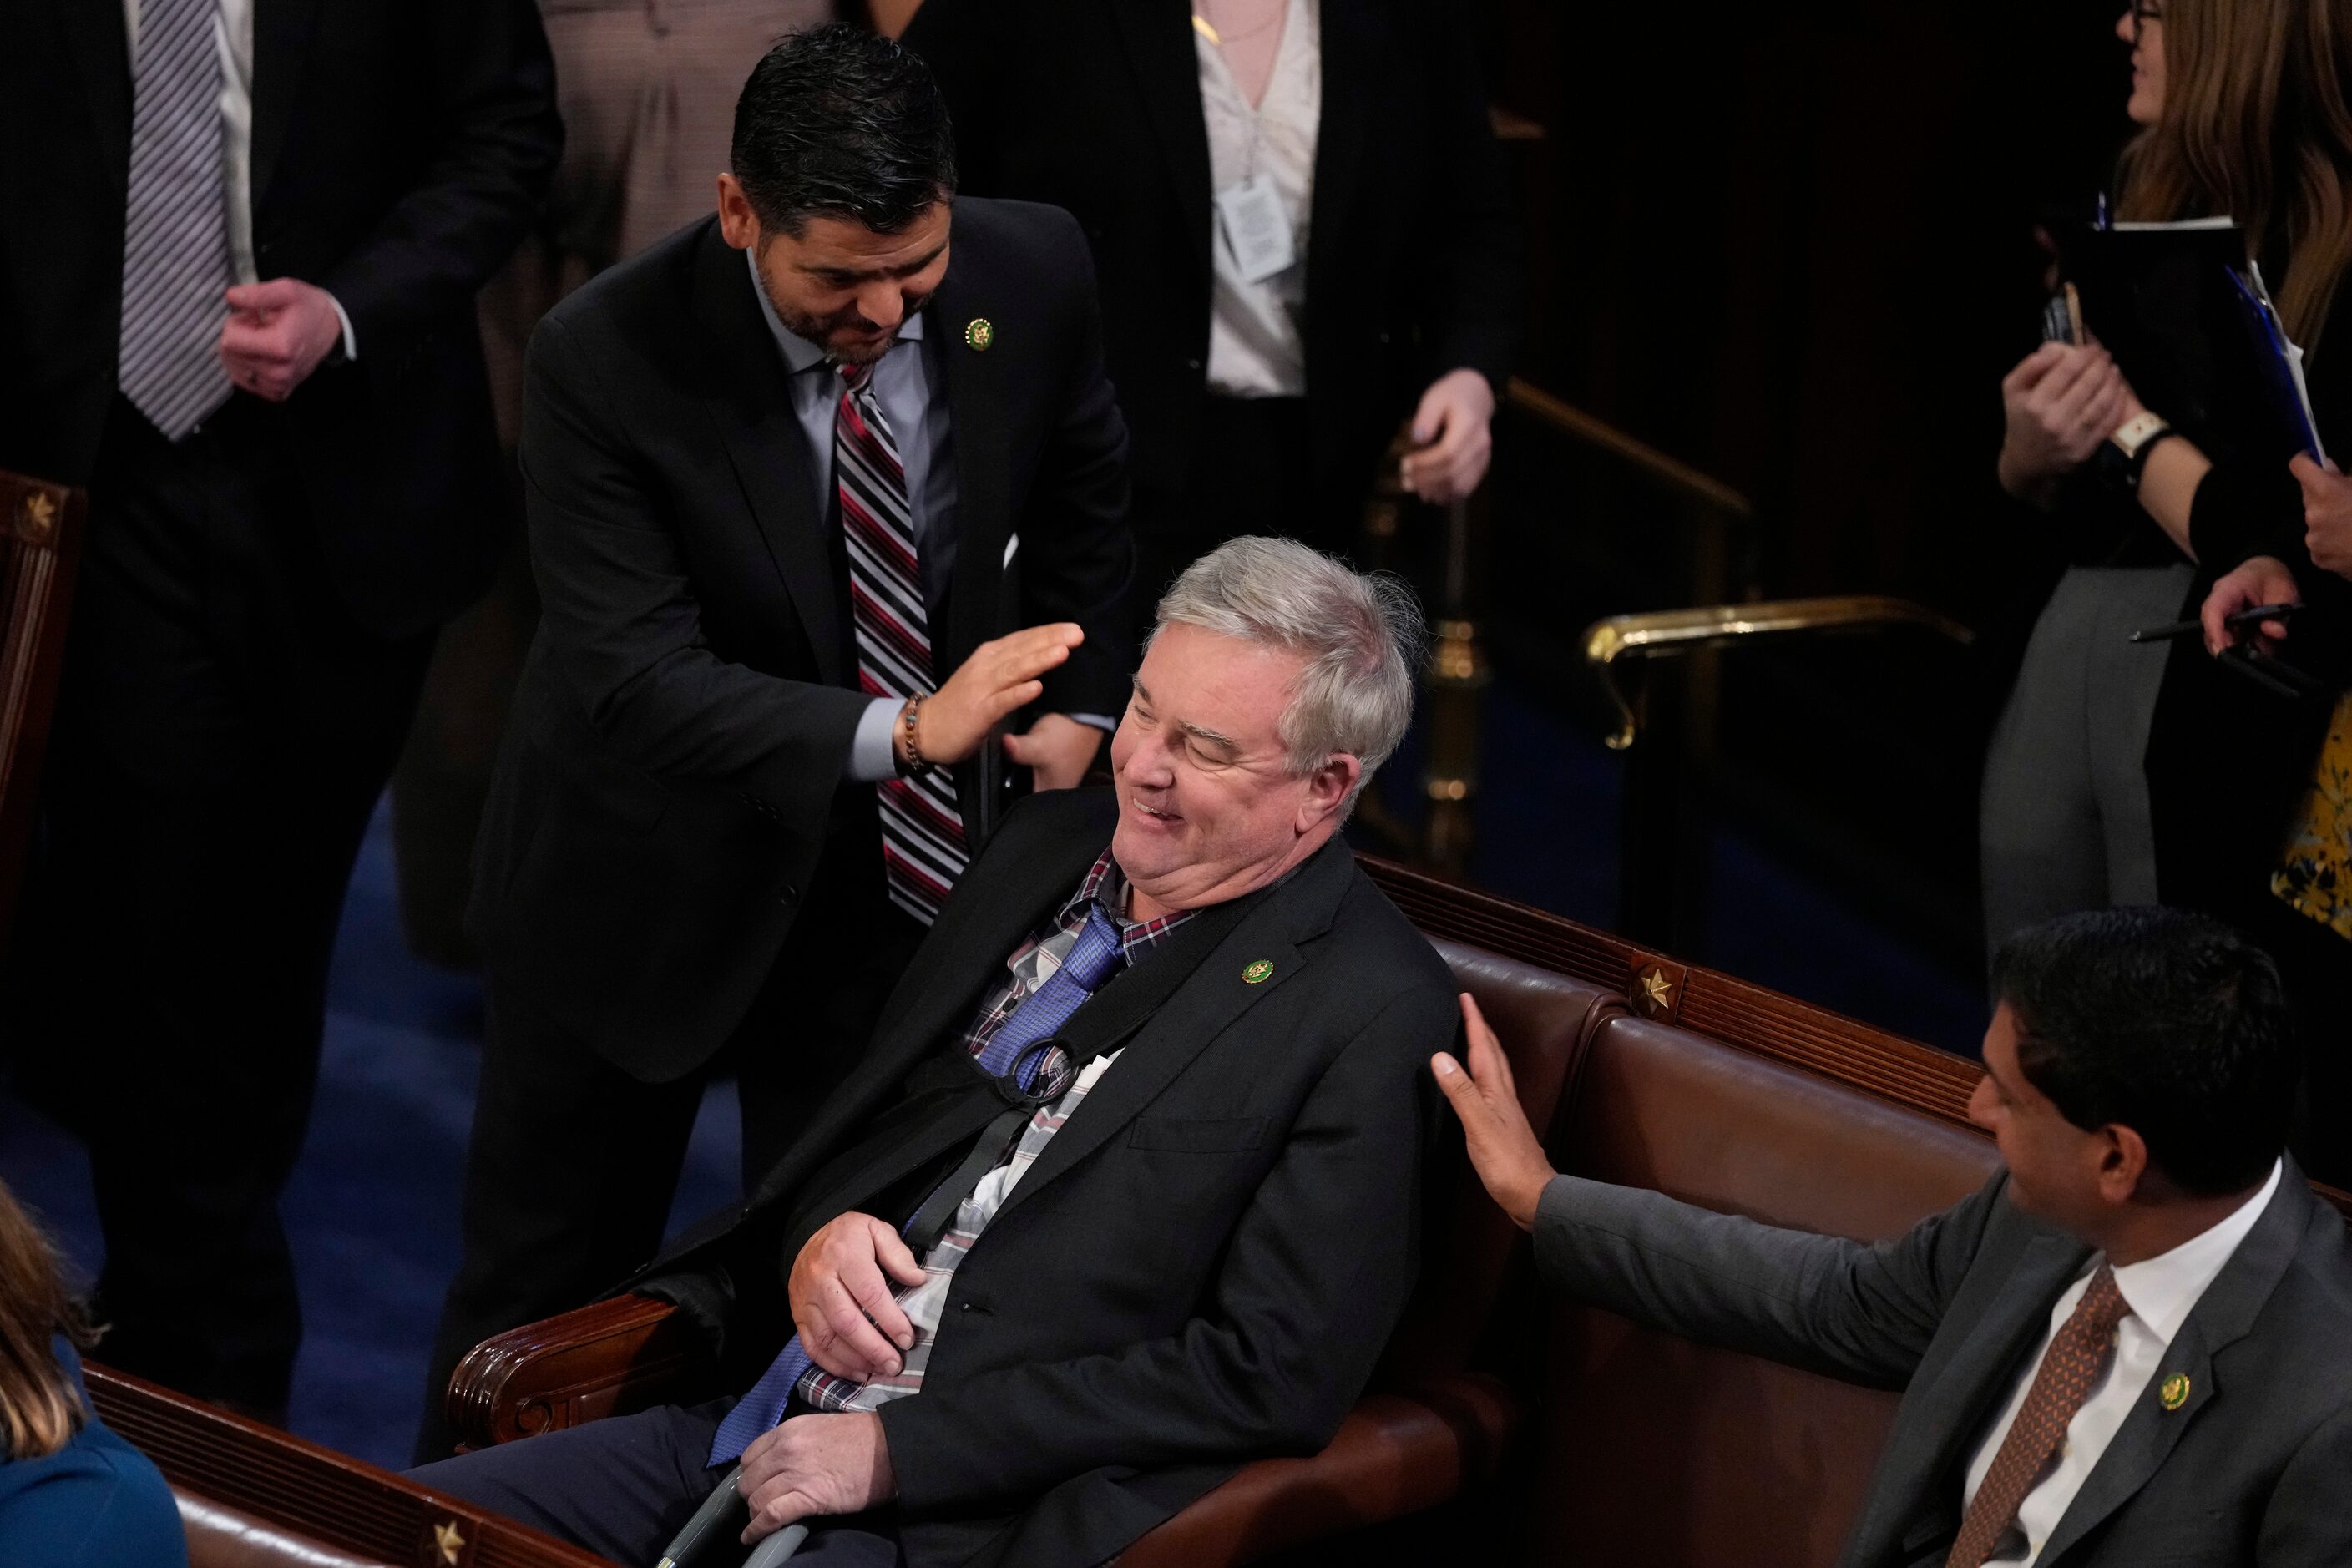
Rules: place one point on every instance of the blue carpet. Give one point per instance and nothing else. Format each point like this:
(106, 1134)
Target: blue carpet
(372, 1206)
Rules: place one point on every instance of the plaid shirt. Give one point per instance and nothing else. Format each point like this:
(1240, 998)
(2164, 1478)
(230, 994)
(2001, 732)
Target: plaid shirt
(1030, 967)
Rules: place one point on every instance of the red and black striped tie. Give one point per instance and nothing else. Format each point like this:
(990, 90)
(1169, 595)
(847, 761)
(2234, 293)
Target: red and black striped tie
(923, 849)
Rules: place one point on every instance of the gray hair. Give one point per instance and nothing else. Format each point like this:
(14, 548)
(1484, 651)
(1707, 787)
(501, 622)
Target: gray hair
(1360, 635)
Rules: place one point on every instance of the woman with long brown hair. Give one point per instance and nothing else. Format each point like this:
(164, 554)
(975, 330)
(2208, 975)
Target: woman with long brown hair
(2242, 114)
(72, 1494)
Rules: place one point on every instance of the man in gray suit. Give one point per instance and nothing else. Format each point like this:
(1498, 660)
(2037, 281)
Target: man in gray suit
(2127, 1348)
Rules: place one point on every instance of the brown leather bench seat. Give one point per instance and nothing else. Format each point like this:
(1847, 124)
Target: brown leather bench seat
(1655, 1450)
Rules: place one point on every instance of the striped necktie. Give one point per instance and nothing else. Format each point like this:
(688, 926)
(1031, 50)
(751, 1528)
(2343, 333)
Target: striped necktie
(923, 849)
(2070, 1368)
(175, 232)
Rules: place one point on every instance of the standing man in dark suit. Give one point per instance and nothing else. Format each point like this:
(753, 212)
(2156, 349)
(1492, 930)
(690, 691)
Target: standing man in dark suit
(1299, 214)
(821, 489)
(237, 271)
(2126, 1349)
(1126, 1192)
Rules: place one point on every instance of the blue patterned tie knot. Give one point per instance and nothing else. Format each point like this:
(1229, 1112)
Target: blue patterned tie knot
(1092, 960)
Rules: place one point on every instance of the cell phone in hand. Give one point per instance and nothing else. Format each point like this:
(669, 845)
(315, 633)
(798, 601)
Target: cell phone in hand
(2062, 318)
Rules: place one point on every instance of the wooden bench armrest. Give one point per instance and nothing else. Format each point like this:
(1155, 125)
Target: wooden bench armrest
(1394, 1455)
(610, 1358)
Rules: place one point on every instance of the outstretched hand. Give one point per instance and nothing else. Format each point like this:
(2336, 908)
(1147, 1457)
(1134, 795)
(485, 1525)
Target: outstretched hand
(1503, 1146)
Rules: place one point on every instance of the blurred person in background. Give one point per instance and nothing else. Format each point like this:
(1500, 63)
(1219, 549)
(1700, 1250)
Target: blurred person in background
(2120, 773)
(72, 1494)
(237, 273)
(1300, 221)
(647, 88)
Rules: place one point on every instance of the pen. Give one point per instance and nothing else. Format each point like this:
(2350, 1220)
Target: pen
(2238, 622)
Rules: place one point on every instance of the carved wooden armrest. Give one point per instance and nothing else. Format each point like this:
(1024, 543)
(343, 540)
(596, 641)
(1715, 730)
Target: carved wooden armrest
(1396, 1454)
(608, 1359)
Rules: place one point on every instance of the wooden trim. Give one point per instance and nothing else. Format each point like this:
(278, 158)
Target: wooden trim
(1656, 985)
(314, 1492)
(608, 1358)
(41, 527)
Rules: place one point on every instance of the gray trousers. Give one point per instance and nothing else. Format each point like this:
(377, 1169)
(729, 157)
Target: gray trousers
(2065, 813)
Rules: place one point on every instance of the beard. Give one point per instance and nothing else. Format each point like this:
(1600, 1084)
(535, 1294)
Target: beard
(845, 335)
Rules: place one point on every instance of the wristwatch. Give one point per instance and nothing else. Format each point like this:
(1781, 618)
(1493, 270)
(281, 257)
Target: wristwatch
(2133, 440)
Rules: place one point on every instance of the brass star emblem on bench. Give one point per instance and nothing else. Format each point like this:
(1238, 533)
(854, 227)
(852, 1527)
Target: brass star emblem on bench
(451, 1544)
(40, 515)
(1658, 991)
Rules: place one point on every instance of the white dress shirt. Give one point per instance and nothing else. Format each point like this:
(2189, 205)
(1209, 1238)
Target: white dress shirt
(2160, 1292)
(233, 36)
(1256, 347)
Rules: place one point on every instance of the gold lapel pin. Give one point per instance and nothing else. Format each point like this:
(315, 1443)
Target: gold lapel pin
(1257, 970)
(979, 334)
(2175, 1392)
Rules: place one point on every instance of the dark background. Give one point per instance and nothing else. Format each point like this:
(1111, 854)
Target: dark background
(1794, 248)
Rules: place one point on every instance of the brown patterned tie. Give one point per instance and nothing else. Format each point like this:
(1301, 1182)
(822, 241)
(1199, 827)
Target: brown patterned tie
(2077, 1359)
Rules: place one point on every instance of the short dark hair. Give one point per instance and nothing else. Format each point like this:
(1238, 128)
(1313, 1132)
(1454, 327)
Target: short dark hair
(836, 122)
(2165, 1022)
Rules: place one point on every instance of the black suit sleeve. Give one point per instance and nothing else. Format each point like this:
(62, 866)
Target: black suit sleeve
(1073, 530)
(495, 95)
(1316, 1276)
(1473, 289)
(621, 623)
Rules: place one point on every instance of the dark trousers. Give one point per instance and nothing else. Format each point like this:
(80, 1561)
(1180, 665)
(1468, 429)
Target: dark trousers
(1250, 474)
(626, 1485)
(222, 735)
(573, 1162)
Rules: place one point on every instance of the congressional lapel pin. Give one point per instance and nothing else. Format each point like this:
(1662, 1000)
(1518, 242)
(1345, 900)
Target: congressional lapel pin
(2175, 1392)
(1257, 970)
(979, 334)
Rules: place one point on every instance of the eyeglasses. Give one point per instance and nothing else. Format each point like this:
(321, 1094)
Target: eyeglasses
(2142, 11)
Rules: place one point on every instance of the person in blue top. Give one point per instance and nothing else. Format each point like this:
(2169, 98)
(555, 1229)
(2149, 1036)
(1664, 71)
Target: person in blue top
(72, 1494)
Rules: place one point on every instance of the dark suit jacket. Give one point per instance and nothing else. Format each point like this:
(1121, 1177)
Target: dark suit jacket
(1203, 1265)
(399, 148)
(668, 779)
(1095, 105)
(2251, 1470)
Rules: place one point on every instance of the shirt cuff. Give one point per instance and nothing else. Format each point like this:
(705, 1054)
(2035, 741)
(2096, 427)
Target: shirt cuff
(872, 757)
(1103, 721)
(350, 337)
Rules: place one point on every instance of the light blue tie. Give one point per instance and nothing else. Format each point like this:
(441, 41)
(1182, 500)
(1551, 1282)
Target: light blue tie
(1091, 960)
(175, 223)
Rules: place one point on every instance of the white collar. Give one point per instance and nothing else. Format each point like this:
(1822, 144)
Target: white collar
(800, 354)
(2161, 1290)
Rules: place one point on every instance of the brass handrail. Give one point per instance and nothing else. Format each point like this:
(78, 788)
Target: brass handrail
(1662, 632)
(1570, 420)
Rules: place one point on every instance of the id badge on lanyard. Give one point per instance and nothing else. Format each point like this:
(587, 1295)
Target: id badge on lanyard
(1257, 231)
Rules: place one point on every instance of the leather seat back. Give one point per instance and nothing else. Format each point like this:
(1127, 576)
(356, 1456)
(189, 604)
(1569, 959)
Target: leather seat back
(222, 1537)
(1655, 1450)
(1545, 1021)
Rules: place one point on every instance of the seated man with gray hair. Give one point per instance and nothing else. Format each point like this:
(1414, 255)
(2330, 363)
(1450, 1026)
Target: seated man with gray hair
(1126, 1192)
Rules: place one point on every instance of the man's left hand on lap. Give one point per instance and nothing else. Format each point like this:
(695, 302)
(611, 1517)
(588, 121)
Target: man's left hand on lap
(816, 1466)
